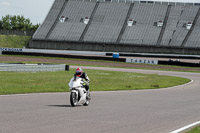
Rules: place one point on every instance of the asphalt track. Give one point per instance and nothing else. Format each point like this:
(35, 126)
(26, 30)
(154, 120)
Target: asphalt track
(139, 111)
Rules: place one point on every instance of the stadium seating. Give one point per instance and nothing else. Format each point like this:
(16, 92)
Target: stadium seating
(194, 39)
(171, 25)
(154, 25)
(43, 30)
(73, 27)
(188, 14)
(144, 32)
(107, 22)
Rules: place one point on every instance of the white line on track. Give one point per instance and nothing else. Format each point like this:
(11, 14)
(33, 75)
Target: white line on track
(186, 127)
(191, 81)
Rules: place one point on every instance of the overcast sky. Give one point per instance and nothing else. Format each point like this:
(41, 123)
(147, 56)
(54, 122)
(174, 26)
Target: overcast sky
(35, 10)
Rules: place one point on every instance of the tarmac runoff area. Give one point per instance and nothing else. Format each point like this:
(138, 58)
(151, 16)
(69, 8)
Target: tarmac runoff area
(139, 111)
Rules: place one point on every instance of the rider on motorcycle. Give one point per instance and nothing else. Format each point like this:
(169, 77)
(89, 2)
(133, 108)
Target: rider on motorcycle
(80, 73)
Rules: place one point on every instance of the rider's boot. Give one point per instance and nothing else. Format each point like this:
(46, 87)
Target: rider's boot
(87, 91)
(88, 94)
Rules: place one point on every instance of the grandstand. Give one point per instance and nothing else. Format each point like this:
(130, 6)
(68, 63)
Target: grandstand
(121, 26)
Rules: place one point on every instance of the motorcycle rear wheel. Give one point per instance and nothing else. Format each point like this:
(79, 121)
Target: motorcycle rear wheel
(73, 99)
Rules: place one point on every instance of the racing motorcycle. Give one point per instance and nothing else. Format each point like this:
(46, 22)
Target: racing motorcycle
(78, 93)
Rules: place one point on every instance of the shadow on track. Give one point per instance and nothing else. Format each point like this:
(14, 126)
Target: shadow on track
(62, 105)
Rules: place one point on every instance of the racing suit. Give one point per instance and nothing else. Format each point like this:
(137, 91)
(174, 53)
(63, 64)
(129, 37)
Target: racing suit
(84, 76)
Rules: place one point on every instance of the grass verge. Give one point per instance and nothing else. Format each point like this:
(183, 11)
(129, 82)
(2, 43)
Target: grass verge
(13, 41)
(194, 130)
(40, 82)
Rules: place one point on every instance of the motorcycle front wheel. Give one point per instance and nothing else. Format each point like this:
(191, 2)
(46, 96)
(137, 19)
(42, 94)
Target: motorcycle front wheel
(73, 99)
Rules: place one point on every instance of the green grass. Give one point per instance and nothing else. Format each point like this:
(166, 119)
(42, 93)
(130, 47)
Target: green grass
(194, 130)
(13, 41)
(27, 82)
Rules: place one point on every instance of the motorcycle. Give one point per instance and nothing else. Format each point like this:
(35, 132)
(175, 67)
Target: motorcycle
(78, 93)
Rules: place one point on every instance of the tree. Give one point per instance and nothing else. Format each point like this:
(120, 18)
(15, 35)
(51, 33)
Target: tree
(13, 22)
(17, 23)
(1, 24)
(6, 23)
(34, 27)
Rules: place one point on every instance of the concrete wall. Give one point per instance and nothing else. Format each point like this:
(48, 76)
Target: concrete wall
(90, 46)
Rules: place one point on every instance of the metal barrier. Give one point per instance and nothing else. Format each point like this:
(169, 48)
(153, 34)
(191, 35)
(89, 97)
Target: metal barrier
(17, 32)
(33, 67)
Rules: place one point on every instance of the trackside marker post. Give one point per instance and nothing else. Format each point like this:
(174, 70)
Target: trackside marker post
(66, 67)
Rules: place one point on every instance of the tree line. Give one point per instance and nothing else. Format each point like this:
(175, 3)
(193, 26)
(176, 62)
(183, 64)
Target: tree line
(18, 22)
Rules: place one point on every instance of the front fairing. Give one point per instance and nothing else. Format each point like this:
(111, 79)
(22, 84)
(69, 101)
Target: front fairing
(78, 83)
(77, 86)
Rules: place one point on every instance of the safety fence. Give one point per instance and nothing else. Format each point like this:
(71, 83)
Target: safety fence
(33, 67)
(17, 32)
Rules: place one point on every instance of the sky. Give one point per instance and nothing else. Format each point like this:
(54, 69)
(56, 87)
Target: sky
(35, 10)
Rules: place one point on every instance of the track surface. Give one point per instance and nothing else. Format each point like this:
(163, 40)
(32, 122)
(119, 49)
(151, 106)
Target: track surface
(140, 111)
